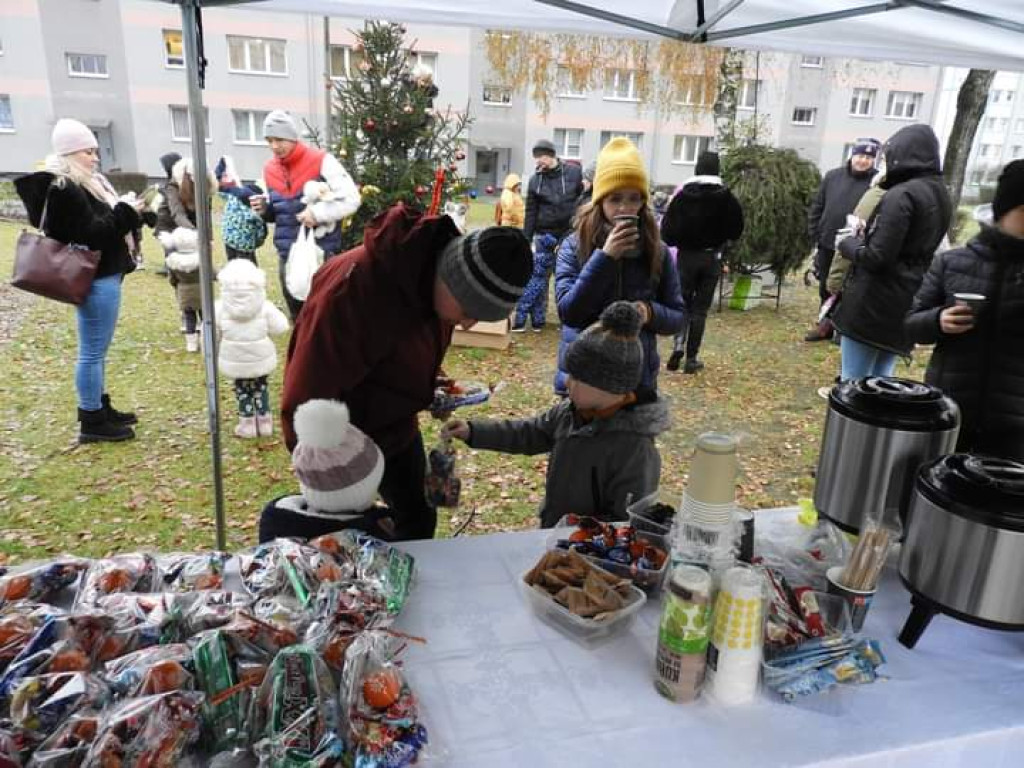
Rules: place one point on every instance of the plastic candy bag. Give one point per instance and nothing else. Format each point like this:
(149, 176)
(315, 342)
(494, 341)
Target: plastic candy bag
(42, 582)
(134, 572)
(41, 704)
(188, 572)
(147, 732)
(387, 568)
(442, 483)
(342, 611)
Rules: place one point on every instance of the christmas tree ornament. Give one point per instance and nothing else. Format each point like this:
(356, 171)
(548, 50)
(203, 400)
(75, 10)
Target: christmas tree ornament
(435, 199)
(385, 82)
(369, 125)
(453, 167)
(420, 190)
(460, 155)
(407, 109)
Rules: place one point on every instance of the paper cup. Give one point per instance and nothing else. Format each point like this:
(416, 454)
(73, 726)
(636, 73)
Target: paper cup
(633, 221)
(973, 300)
(859, 601)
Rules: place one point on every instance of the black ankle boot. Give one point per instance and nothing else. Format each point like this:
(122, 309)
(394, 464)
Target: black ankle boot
(97, 427)
(116, 416)
(674, 360)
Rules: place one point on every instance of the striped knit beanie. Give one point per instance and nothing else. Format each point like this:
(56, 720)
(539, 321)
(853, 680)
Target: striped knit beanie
(339, 468)
(487, 270)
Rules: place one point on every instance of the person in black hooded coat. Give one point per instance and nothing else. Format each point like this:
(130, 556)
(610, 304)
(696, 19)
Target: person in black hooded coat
(890, 258)
(979, 356)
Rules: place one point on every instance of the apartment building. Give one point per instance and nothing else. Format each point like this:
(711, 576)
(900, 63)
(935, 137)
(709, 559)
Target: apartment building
(1000, 135)
(118, 66)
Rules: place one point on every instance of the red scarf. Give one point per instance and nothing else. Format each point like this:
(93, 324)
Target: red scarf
(288, 175)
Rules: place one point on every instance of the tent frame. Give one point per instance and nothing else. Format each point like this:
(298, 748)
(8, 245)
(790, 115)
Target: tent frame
(195, 63)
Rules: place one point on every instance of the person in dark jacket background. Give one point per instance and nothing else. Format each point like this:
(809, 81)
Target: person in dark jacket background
(840, 191)
(550, 207)
(285, 174)
(890, 258)
(979, 354)
(81, 207)
(703, 216)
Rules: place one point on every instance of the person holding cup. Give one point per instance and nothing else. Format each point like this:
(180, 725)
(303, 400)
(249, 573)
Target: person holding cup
(971, 306)
(615, 253)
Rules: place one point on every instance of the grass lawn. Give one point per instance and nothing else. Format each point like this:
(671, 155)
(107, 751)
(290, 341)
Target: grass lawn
(156, 491)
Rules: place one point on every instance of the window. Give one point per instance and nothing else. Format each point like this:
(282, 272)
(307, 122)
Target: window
(428, 60)
(998, 96)
(607, 136)
(6, 116)
(990, 123)
(174, 52)
(688, 148)
(992, 151)
(862, 103)
(256, 56)
(569, 143)
(181, 128)
(564, 87)
(747, 96)
(691, 91)
(248, 125)
(904, 105)
(804, 115)
(811, 61)
(87, 65)
(497, 94)
(345, 61)
(620, 84)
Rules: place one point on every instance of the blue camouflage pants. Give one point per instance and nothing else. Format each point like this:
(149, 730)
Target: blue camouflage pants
(534, 301)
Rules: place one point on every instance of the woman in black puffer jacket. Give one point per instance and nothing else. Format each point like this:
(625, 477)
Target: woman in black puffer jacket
(82, 208)
(979, 359)
(890, 260)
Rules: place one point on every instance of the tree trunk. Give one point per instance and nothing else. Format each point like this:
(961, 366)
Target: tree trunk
(729, 81)
(970, 106)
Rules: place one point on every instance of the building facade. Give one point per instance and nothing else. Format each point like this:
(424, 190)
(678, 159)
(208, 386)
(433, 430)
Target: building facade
(118, 65)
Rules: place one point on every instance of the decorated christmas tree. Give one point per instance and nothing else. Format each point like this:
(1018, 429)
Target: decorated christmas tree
(387, 132)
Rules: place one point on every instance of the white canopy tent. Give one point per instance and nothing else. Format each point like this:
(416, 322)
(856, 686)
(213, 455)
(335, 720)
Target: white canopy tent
(969, 33)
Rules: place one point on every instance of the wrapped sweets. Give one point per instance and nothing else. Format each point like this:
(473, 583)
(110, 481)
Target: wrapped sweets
(147, 732)
(41, 704)
(195, 612)
(279, 567)
(136, 572)
(388, 568)
(42, 582)
(294, 715)
(18, 624)
(186, 572)
(159, 669)
(821, 664)
(69, 744)
(343, 610)
(385, 729)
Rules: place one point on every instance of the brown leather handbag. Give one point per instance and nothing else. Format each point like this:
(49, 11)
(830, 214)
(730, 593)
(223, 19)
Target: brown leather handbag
(47, 267)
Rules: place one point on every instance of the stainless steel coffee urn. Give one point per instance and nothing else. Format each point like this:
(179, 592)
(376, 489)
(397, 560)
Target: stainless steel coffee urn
(878, 432)
(963, 548)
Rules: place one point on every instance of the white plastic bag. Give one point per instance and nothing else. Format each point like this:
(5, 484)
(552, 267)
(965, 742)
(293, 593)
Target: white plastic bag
(304, 259)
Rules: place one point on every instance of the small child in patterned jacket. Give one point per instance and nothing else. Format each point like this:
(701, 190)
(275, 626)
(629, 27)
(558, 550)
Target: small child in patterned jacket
(242, 228)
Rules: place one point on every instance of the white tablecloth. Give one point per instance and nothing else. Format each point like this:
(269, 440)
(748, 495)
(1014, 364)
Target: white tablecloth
(502, 688)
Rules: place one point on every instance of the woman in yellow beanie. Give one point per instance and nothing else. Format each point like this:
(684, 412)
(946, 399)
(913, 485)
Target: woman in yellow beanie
(616, 253)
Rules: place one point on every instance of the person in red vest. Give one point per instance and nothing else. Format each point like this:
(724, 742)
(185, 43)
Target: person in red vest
(286, 173)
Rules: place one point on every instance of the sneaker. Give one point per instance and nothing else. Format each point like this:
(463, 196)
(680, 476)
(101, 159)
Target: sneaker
(824, 392)
(518, 329)
(674, 361)
(246, 428)
(265, 425)
(692, 365)
(191, 342)
(538, 328)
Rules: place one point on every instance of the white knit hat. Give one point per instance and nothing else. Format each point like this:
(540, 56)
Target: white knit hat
(339, 468)
(280, 125)
(71, 136)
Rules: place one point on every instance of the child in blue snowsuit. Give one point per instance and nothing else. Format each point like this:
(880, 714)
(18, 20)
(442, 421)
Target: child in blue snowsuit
(534, 301)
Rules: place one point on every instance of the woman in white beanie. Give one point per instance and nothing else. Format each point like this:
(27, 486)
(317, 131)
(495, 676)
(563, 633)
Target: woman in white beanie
(73, 203)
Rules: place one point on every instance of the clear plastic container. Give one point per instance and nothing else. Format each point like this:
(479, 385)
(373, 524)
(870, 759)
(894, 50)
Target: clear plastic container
(577, 627)
(639, 520)
(648, 579)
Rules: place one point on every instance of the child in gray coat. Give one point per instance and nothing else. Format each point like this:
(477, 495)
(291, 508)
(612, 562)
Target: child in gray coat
(601, 439)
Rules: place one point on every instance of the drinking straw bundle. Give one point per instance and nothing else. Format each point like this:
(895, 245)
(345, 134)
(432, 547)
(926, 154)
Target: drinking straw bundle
(865, 564)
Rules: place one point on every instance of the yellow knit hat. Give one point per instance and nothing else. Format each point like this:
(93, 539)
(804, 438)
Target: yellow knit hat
(619, 166)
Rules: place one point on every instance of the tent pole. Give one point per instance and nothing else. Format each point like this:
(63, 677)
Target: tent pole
(328, 83)
(963, 13)
(615, 18)
(190, 19)
(703, 26)
(803, 21)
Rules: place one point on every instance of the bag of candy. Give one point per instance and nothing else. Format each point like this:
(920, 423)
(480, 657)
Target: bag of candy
(147, 732)
(450, 394)
(134, 572)
(228, 671)
(42, 582)
(342, 611)
(69, 744)
(159, 669)
(385, 728)
(387, 568)
(443, 487)
(195, 612)
(18, 624)
(279, 567)
(41, 704)
(294, 716)
(188, 572)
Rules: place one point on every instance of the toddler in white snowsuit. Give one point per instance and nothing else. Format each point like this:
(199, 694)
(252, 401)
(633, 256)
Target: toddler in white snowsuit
(245, 321)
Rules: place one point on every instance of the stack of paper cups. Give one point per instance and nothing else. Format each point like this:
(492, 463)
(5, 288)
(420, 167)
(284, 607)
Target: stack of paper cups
(706, 517)
(734, 657)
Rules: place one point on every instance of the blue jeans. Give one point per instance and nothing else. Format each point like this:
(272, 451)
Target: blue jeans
(97, 318)
(860, 360)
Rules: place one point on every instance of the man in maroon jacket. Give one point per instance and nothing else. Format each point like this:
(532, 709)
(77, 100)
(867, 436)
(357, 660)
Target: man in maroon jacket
(375, 328)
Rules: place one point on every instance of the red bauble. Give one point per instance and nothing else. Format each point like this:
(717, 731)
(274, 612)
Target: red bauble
(453, 167)
(420, 190)
(460, 155)
(369, 124)
(489, 189)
